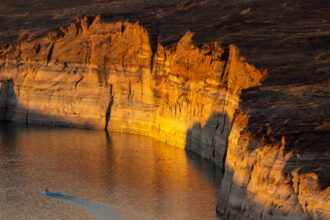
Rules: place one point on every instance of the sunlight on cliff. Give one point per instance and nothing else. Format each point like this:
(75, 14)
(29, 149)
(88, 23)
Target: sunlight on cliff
(187, 95)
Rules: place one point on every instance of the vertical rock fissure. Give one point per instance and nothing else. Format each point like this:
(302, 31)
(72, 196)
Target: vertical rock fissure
(129, 89)
(78, 81)
(130, 95)
(226, 144)
(225, 57)
(108, 112)
(50, 53)
(154, 40)
(224, 118)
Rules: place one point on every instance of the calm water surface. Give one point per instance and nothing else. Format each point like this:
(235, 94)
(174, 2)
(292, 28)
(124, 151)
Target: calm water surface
(134, 176)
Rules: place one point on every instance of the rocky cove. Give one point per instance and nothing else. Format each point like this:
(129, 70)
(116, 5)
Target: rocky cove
(257, 110)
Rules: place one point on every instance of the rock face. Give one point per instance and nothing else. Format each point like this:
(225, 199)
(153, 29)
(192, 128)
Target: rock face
(245, 89)
(105, 75)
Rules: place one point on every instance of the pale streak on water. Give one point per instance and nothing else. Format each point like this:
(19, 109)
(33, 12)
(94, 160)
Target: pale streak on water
(134, 176)
(102, 212)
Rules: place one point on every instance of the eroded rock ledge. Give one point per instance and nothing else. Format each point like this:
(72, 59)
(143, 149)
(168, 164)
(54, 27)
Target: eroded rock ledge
(272, 144)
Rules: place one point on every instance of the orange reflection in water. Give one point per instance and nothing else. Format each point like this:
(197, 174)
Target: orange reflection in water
(136, 176)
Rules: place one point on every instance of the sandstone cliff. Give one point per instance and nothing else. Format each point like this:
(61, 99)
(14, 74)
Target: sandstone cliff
(253, 99)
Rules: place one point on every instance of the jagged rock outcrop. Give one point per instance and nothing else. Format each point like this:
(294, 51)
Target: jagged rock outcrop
(276, 165)
(100, 75)
(245, 89)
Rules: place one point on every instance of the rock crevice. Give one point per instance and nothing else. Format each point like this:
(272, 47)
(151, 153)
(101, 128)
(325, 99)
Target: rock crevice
(208, 99)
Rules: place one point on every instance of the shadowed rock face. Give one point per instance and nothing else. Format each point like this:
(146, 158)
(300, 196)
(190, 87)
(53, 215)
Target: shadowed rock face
(242, 83)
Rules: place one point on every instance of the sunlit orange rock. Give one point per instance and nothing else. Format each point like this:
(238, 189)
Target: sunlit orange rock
(242, 90)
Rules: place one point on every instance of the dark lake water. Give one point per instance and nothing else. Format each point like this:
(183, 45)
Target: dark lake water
(134, 176)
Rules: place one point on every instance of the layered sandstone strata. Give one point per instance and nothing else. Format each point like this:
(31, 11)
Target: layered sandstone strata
(249, 102)
(105, 75)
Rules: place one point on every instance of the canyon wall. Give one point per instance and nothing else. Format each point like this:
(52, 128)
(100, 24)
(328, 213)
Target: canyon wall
(105, 75)
(271, 140)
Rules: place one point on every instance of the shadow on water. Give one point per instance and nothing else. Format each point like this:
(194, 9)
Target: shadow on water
(8, 102)
(108, 139)
(209, 168)
(8, 133)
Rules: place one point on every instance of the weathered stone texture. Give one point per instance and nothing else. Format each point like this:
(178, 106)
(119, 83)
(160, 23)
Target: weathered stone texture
(245, 87)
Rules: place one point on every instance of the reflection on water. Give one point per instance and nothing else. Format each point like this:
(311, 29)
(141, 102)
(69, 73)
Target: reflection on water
(135, 176)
